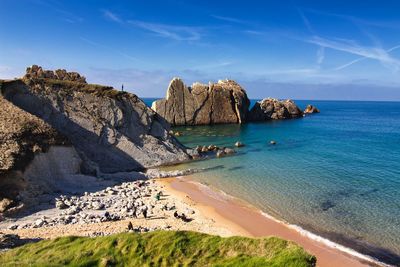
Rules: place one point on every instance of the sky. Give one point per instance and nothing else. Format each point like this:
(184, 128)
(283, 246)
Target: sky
(333, 50)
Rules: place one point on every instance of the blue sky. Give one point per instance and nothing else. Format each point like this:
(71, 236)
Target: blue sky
(285, 49)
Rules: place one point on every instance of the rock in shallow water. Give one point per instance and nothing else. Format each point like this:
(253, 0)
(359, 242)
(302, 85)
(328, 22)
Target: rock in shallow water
(311, 109)
(222, 102)
(274, 109)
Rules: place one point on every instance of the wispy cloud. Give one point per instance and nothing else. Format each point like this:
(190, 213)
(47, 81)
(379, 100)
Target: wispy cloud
(394, 24)
(111, 16)
(350, 46)
(216, 65)
(305, 21)
(175, 32)
(320, 55)
(363, 58)
(230, 19)
(66, 15)
(113, 50)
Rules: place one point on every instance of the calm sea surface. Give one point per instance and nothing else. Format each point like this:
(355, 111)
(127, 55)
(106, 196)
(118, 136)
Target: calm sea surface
(336, 173)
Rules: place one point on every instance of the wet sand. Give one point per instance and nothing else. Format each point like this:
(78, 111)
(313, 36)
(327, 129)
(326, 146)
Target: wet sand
(242, 219)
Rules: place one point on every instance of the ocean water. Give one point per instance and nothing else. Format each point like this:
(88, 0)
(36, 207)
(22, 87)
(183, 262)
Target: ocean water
(336, 174)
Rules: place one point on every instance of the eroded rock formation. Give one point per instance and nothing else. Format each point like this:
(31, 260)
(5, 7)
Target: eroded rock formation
(37, 72)
(221, 102)
(273, 109)
(311, 109)
(113, 129)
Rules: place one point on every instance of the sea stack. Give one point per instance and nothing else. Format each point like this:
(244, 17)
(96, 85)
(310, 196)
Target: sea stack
(310, 109)
(274, 109)
(201, 104)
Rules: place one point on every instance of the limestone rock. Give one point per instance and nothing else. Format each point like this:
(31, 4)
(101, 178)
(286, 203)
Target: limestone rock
(222, 102)
(311, 109)
(113, 129)
(37, 72)
(273, 109)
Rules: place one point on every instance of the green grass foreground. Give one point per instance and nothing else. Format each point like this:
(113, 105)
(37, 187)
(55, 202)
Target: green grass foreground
(160, 248)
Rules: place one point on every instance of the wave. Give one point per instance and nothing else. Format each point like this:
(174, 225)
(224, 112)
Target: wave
(219, 194)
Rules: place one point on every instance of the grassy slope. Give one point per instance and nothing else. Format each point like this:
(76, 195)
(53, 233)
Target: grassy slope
(160, 248)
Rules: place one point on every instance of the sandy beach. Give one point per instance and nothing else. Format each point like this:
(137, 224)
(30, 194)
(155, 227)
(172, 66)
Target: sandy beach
(210, 212)
(242, 219)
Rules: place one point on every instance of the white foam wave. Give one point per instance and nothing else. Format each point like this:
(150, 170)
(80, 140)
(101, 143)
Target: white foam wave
(328, 242)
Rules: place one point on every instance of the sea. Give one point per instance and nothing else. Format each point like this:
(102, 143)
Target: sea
(335, 174)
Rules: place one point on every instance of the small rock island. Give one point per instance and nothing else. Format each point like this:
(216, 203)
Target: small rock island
(217, 103)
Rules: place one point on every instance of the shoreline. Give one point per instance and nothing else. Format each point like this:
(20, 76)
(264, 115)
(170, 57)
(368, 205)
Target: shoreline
(244, 219)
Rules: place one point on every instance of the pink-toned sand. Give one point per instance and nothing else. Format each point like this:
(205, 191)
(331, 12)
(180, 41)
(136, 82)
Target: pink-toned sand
(242, 219)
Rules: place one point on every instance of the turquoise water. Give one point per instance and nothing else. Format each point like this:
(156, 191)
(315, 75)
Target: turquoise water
(336, 173)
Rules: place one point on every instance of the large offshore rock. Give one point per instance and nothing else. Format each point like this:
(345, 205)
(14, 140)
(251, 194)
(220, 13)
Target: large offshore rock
(114, 130)
(222, 102)
(273, 109)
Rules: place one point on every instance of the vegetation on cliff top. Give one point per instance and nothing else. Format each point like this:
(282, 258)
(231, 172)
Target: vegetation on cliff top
(160, 248)
(95, 89)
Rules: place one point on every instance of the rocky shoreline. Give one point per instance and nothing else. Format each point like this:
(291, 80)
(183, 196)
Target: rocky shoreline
(82, 157)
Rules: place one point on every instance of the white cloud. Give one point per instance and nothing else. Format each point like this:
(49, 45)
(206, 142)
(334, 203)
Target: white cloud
(350, 46)
(178, 33)
(320, 55)
(230, 19)
(362, 58)
(111, 16)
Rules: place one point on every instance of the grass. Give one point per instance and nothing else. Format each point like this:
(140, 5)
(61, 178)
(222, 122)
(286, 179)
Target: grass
(95, 89)
(159, 248)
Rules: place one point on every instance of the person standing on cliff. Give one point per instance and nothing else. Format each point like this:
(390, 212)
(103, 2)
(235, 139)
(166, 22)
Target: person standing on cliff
(122, 87)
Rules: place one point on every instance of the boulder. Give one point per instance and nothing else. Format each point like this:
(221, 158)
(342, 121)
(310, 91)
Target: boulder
(239, 144)
(222, 102)
(311, 109)
(274, 109)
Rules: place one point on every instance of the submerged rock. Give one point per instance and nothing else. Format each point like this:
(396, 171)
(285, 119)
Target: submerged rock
(222, 102)
(311, 109)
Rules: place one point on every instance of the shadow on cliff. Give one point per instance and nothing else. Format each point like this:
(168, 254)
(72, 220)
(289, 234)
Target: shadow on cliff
(109, 158)
(88, 145)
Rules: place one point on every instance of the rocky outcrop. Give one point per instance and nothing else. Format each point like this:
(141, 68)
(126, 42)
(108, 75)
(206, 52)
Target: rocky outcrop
(311, 109)
(273, 109)
(222, 102)
(36, 72)
(113, 130)
(22, 137)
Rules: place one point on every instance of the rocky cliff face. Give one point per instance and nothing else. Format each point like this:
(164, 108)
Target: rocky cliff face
(22, 137)
(113, 130)
(222, 102)
(273, 109)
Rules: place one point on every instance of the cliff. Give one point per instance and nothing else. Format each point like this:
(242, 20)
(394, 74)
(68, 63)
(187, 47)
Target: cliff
(113, 129)
(22, 137)
(221, 102)
(55, 128)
